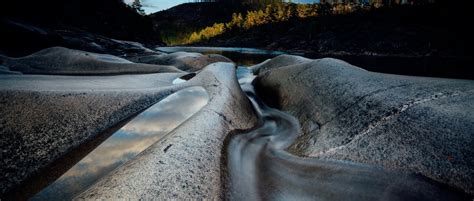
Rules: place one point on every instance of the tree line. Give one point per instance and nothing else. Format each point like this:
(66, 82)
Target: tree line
(274, 11)
(271, 13)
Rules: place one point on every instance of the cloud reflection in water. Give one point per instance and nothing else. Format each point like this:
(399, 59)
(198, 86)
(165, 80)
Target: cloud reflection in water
(137, 135)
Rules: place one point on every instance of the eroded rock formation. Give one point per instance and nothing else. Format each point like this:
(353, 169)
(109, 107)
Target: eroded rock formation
(359, 129)
(187, 164)
(414, 124)
(47, 117)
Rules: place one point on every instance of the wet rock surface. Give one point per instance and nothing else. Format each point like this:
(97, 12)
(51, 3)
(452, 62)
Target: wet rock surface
(413, 124)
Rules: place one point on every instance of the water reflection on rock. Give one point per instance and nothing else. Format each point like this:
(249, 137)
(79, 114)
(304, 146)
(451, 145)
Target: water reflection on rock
(137, 135)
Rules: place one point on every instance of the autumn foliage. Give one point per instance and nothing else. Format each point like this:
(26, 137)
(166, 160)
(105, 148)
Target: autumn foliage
(270, 14)
(267, 14)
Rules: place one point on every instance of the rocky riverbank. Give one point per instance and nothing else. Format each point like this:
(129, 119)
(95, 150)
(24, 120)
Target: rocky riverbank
(46, 116)
(364, 122)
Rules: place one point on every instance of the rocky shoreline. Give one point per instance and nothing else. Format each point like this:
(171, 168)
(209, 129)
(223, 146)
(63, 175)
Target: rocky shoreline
(402, 124)
(44, 116)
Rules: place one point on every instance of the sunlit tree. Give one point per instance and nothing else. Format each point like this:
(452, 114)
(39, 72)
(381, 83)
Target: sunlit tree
(236, 22)
(302, 10)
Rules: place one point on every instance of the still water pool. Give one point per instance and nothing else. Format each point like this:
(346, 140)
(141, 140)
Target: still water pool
(137, 135)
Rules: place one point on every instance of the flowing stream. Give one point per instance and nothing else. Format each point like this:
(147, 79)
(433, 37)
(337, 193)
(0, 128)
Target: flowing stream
(260, 168)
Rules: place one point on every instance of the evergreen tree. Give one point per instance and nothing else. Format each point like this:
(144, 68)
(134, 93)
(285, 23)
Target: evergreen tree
(137, 6)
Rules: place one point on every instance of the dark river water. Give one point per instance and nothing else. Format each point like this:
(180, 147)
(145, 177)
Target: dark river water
(431, 66)
(241, 56)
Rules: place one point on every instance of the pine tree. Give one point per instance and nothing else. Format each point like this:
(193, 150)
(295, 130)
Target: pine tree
(137, 6)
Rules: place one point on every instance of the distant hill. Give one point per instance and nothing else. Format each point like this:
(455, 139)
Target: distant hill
(108, 17)
(81, 19)
(189, 17)
(436, 29)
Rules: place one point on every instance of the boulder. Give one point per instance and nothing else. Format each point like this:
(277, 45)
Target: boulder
(183, 60)
(64, 61)
(413, 124)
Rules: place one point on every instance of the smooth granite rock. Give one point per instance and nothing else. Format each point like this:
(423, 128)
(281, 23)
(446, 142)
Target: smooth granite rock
(183, 60)
(44, 117)
(64, 61)
(278, 62)
(186, 164)
(414, 124)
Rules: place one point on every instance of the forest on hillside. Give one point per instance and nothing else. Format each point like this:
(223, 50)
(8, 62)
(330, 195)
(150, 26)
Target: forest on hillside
(244, 15)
